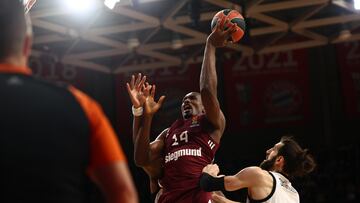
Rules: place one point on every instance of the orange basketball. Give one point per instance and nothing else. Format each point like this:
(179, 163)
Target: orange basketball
(233, 16)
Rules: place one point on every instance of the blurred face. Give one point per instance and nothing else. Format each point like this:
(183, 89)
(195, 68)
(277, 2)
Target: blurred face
(192, 105)
(269, 163)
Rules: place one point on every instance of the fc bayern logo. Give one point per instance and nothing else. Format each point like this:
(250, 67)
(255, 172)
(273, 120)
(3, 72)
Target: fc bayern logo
(282, 98)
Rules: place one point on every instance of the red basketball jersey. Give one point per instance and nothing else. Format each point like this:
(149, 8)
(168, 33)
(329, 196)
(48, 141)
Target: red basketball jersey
(188, 149)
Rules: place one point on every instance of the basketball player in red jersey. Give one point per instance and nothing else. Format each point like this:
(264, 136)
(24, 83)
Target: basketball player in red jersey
(177, 156)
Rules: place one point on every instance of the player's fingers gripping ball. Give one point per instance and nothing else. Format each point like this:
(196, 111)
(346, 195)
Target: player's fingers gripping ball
(230, 17)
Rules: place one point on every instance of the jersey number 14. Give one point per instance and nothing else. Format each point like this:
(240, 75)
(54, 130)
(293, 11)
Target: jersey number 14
(182, 138)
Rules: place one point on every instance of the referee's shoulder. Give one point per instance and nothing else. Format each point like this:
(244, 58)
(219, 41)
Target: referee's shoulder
(61, 87)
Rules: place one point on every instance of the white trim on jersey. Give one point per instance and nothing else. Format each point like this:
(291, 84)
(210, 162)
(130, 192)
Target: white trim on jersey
(284, 191)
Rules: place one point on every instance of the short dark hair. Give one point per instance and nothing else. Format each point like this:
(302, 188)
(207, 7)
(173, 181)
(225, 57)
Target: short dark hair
(13, 28)
(298, 161)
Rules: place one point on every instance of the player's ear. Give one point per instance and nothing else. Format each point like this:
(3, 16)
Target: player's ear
(279, 160)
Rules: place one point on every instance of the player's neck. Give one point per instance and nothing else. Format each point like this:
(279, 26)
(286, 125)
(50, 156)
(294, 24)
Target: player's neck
(282, 173)
(14, 61)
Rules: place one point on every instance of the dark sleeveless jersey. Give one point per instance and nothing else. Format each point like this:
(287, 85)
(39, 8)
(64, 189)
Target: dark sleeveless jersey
(188, 149)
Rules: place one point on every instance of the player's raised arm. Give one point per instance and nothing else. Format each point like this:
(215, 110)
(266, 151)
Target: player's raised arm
(208, 78)
(137, 98)
(138, 92)
(142, 97)
(147, 155)
(150, 108)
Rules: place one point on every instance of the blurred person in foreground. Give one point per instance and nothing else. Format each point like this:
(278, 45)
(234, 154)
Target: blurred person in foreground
(53, 139)
(269, 183)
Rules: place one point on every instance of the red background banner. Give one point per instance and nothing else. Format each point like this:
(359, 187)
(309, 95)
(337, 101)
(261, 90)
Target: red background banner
(267, 90)
(49, 69)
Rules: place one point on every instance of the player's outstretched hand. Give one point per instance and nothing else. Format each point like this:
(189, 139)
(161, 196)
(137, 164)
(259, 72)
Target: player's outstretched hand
(135, 90)
(211, 169)
(220, 37)
(151, 106)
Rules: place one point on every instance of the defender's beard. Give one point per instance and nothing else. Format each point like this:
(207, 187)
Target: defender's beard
(268, 165)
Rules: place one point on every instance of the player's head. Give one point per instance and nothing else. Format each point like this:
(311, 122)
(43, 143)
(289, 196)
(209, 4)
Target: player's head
(16, 33)
(192, 105)
(289, 158)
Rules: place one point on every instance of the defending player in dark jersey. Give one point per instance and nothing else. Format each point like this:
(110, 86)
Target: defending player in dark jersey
(179, 153)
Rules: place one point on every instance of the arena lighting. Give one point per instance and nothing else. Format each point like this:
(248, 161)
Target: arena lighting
(80, 5)
(111, 3)
(345, 34)
(357, 4)
(133, 42)
(176, 42)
